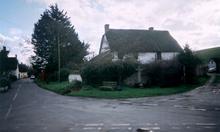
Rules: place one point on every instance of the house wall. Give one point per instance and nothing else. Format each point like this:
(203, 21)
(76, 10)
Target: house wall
(23, 74)
(104, 45)
(168, 55)
(144, 58)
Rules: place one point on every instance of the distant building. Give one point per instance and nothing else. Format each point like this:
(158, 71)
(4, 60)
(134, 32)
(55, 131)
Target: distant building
(144, 46)
(214, 65)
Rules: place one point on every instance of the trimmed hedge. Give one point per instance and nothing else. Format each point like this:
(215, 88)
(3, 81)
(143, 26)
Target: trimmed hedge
(96, 73)
(163, 73)
(64, 73)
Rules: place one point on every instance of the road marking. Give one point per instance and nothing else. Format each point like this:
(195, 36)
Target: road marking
(89, 128)
(217, 109)
(178, 106)
(205, 124)
(121, 124)
(94, 124)
(8, 112)
(145, 104)
(15, 96)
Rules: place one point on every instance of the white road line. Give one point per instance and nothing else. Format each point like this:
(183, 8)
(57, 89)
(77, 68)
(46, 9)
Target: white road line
(178, 106)
(195, 109)
(94, 124)
(15, 96)
(8, 112)
(89, 128)
(205, 124)
(121, 124)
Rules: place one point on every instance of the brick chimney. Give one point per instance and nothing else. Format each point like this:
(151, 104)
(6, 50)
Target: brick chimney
(106, 28)
(151, 28)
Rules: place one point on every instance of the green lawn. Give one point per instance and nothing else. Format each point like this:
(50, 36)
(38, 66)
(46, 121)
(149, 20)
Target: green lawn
(127, 92)
(206, 54)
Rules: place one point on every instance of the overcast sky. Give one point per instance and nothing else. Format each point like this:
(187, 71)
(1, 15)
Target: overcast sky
(196, 22)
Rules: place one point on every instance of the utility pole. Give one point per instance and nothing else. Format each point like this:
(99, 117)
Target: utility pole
(58, 49)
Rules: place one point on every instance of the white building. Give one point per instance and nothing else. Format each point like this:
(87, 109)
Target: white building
(143, 45)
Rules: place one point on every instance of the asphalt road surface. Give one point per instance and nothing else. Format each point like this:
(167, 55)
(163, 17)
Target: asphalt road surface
(28, 108)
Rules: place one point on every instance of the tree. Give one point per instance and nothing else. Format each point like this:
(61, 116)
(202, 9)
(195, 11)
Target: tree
(3, 60)
(189, 62)
(55, 40)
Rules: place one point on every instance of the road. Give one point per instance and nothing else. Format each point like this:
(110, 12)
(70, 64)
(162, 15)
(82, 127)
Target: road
(28, 108)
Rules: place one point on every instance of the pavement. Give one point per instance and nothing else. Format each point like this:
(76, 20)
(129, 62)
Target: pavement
(28, 108)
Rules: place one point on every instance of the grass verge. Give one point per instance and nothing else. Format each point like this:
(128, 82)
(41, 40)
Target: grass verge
(127, 92)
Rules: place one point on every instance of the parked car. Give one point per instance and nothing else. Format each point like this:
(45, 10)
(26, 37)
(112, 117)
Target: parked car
(32, 77)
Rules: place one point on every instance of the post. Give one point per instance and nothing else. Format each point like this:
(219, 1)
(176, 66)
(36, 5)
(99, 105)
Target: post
(139, 76)
(58, 49)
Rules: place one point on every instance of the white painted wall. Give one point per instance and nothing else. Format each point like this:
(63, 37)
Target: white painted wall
(149, 57)
(145, 58)
(168, 55)
(15, 72)
(105, 45)
(74, 77)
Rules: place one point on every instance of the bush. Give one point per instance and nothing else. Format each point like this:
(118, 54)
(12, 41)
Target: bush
(189, 62)
(75, 85)
(96, 73)
(52, 77)
(64, 73)
(12, 78)
(163, 73)
(4, 82)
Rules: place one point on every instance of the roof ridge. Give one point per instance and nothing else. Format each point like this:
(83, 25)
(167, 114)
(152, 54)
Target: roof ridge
(139, 30)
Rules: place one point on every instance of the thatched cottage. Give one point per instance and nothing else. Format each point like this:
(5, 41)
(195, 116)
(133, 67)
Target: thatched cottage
(144, 46)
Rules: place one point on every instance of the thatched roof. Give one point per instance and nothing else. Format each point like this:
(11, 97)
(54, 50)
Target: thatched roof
(103, 57)
(133, 41)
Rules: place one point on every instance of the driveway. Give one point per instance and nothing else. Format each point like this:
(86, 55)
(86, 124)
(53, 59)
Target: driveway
(28, 108)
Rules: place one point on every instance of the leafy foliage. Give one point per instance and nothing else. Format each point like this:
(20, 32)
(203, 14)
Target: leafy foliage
(189, 63)
(162, 73)
(96, 73)
(207, 54)
(54, 31)
(3, 60)
(4, 82)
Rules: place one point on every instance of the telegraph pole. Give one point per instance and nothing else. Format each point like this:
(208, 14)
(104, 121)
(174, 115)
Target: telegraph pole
(58, 50)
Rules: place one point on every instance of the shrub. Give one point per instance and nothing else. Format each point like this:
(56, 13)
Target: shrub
(189, 62)
(162, 73)
(96, 73)
(4, 82)
(64, 73)
(75, 85)
(12, 78)
(52, 76)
